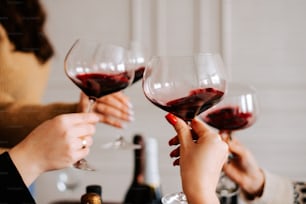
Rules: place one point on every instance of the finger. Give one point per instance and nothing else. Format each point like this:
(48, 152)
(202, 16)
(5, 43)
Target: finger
(124, 113)
(81, 130)
(174, 141)
(176, 162)
(117, 101)
(73, 119)
(80, 154)
(115, 122)
(182, 129)
(175, 152)
(232, 172)
(201, 129)
(236, 147)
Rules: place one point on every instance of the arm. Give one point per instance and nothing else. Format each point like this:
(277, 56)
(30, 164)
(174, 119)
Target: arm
(17, 120)
(55, 144)
(200, 162)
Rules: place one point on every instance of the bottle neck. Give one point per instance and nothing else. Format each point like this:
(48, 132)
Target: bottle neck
(139, 157)
(152, 177)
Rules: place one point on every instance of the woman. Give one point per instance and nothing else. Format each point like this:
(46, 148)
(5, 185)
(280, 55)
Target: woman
(25, 59)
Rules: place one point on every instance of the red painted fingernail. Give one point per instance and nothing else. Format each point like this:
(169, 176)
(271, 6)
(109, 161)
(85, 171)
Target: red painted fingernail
(176, 163)
(171, 118)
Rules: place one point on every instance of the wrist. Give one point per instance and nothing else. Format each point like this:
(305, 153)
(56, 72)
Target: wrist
(202, 194)
(26, 165)
(255, 189)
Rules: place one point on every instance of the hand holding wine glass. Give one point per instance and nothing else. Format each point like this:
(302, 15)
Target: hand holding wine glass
(184, 86)
(98, 70)
(238, 110)
(200, 162)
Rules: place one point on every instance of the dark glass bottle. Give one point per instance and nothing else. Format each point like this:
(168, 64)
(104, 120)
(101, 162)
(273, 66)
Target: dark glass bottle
(139, 192)
(93, 195)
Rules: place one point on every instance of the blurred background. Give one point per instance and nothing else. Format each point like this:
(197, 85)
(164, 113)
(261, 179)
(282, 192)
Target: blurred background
(262, 43)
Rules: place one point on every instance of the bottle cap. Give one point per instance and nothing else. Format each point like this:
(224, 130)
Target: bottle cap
(91, 198)
(94, 189)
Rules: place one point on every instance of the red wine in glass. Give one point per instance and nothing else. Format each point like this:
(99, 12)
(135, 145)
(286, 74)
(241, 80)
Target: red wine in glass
(195, 103)
(185, 86)
(229, 118)
(237, 111)
(97, 84)
(98, 70)
(138, 74)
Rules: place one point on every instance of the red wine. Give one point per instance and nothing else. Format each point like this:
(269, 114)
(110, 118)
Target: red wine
(138, 74)
(195, 103)
(229, 118)
(97, 84)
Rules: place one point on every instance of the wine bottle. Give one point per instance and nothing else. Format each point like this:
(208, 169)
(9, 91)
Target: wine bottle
(139, 192)
(93, 195)
(152, 177)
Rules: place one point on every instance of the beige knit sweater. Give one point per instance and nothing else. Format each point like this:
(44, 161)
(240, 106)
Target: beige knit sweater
(22, 83)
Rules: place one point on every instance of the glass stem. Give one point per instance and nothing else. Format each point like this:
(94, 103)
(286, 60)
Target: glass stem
(226, 135)
(90, 104)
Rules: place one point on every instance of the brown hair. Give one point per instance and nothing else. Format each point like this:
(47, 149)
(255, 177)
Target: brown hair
(24, 21)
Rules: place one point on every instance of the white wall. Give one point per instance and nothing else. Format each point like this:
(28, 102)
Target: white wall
(263, 43)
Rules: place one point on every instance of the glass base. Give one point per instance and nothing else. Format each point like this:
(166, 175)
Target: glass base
(226, 187)
(175, 198)
(120, 143)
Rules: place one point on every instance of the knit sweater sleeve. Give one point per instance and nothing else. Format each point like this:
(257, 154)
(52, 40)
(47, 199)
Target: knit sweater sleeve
(277, 190)
(18, 120)
(12, 187)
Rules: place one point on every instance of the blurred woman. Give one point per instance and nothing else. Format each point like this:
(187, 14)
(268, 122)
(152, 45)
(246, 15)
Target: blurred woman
(25, 60)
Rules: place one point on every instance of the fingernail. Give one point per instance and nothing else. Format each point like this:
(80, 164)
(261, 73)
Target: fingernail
(171, 118)
(176, 163)
(131, 118)
(171, 154)
(130, 105)
(131, 112)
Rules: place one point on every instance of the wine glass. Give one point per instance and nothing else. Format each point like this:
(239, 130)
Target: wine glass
(184, 86)
(238, 110)
(98, 70)
(137, 58)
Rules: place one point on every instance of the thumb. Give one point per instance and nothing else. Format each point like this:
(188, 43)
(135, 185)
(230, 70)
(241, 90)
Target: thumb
(200, 128)
(181, 127)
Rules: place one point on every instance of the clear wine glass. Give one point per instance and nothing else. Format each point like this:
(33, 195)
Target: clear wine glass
(137, 58)
(184, 86)
(98, 70)
(238, 110)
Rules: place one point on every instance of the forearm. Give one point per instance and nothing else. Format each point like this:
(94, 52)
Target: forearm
(17, 120)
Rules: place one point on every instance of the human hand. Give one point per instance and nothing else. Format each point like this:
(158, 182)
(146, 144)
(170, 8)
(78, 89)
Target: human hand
(200, 161)
(55, 144)
(113, 109)
(244, 170)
